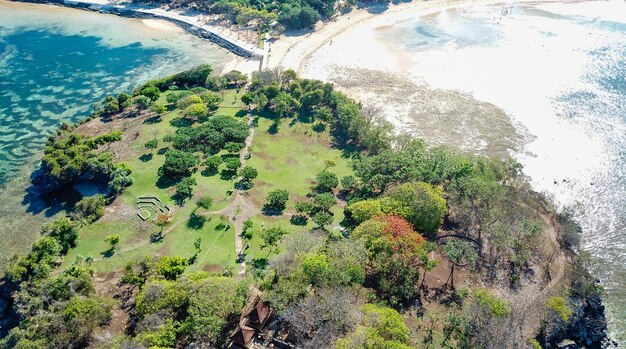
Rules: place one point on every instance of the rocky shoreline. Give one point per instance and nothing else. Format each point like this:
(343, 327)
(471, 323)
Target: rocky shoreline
(586, 330)
(128, 12)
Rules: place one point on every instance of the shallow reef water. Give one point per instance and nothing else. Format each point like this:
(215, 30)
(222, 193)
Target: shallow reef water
(56, 63)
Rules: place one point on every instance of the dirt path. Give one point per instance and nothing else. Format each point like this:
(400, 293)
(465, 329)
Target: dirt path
(559, 260)
(242, 208)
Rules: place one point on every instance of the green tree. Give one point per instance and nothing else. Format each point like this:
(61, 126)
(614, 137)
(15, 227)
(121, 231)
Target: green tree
(323, 201)
(196, 111)
(90, 209)
(349, 183)
(235, 77)
(323, 218)
(459, 252)
(276, 200)
(212, 164)
(187, 101)
(184, 189)
(326, 181)
(423, 205)
(111, 107)
(305, 207)
(151, 92)
(159, 109)
(248, 173)
(123, 99)
(170, 267)
(233, 164)
(381, 327)
(234, 147)
(63, 230)
(217, 83)
(248, 98)
(113, 240)
(152, 144)
(141, 101)
(178, 164)
(247, 230)
(272, 237)
(205, 202)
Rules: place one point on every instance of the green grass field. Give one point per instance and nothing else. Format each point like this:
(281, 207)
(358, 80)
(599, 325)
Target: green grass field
(217, 235)
(289, 158)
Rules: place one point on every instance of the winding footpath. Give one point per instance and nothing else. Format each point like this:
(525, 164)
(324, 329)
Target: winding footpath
(242, 208)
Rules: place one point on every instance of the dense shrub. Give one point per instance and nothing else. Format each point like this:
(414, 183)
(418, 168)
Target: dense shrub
(203, 304)
(421, 204)
(90, 209)
(64, 231)
(189, 78)
(276, 200)
(70, 158)
(178, 164)
(211, 136)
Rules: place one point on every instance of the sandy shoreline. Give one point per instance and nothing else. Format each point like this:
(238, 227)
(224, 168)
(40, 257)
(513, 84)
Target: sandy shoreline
(349, 53)
(294, 49)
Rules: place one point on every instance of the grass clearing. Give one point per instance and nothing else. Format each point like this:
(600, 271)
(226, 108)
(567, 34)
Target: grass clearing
(217, 234)
(287, 157)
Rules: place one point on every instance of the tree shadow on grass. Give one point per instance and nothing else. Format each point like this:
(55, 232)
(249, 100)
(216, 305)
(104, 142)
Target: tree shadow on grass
(273, 129)
(271, 211)
(222, 226)
(244, 185)
(319, 127)
(348, 150)
(153, 120)
(241, 113)
(108, 253)
(304, 117)
(156, 237)
(259, 263)
(162, 151)
(181, 122)
(146, 157)
(164, 182)
(196, 221)
(299, 220)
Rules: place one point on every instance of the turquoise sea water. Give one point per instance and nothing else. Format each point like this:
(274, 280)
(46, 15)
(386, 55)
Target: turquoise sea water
(559, 71)
(56, 63)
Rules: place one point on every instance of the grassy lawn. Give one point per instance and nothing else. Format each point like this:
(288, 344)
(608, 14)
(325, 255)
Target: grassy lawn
(289, 159)
(217, 235)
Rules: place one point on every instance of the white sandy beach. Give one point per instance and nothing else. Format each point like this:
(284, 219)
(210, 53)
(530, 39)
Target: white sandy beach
(350, 53)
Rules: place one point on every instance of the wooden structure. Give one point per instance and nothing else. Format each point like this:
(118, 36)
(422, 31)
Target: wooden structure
(243, 336)
(258, 315)
(251, 324)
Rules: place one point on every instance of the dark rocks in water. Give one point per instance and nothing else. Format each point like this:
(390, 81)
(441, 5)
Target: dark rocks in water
(8, 316)
(587, 328)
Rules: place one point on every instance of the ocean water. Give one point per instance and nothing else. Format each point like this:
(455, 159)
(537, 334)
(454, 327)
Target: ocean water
(559, 71)
(56, 63)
